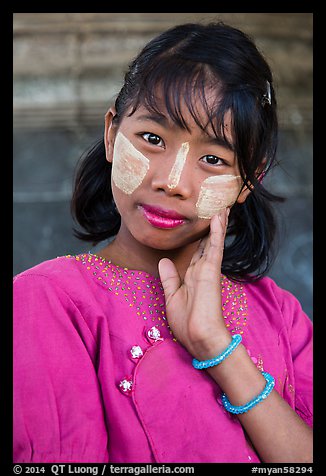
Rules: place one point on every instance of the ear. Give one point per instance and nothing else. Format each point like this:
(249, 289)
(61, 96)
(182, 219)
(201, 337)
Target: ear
(110, 130)
(242, 197)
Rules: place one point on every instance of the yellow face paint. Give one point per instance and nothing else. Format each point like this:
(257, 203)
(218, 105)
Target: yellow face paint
(129, 166)
(217, 193)
(178, 165)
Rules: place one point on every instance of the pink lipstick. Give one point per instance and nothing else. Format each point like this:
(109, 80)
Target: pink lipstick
(161, 218)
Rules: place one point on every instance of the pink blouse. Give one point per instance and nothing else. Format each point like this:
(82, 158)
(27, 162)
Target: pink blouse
(98, 376)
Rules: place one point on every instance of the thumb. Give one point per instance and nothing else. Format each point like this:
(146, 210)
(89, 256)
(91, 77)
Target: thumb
(170, 278)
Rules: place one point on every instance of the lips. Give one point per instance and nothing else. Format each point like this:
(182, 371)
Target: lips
(162, 218)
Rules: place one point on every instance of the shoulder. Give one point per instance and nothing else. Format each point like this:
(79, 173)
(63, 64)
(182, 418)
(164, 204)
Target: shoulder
(266, 288)
(59, 293)
(57, 270)
(51, 268)
(77, 281)
(63, 275)
(277, 302)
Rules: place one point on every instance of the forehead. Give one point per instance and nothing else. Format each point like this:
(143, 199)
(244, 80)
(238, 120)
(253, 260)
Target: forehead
(198, 117)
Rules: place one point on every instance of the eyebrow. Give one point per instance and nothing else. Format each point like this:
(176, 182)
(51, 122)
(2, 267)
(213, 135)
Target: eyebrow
(158, 118)
(217, 140)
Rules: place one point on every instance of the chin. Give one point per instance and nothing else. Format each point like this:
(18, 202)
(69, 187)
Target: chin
(169, 241)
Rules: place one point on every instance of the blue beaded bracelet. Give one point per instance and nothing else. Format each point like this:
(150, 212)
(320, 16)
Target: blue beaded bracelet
(204, 364)
(270, 383)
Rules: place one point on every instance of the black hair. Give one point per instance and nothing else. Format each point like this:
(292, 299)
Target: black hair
(185, 62)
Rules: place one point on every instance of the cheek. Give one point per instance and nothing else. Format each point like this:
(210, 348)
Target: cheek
(129, 166)
(216, 194)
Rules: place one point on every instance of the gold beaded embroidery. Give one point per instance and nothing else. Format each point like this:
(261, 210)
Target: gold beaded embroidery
(145, 293)
(234, 305)
(139, 289)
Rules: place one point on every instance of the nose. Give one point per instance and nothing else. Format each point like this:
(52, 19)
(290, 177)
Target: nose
(173, 178)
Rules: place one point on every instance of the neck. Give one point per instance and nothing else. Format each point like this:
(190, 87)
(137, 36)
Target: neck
(127, 252)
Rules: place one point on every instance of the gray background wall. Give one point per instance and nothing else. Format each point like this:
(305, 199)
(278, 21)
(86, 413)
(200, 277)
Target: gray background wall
(68, 68)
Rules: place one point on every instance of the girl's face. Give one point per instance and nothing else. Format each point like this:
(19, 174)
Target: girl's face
(167, 182)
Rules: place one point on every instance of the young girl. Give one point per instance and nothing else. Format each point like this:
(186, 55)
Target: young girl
(169, 345)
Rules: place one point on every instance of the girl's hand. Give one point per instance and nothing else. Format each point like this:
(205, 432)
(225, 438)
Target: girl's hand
(193, 306)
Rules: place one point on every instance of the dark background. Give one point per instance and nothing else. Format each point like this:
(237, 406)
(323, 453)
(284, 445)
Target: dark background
(68, 67)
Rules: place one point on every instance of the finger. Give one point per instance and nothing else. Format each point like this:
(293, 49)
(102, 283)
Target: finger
(170, 278)
(199, 252)
(215, 244)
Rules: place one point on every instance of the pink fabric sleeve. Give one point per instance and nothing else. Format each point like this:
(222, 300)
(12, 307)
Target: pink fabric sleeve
(58, 414)
(300, 333)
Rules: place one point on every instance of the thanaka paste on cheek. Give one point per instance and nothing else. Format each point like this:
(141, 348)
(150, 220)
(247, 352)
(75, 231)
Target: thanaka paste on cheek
(216, 194)
(178, 165)
(129, 166)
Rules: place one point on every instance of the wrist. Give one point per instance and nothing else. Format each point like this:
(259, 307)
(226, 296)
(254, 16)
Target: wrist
(238, 376)
(210, 346)
(218, 359)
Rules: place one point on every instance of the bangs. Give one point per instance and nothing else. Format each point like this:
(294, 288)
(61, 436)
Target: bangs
(173, 86)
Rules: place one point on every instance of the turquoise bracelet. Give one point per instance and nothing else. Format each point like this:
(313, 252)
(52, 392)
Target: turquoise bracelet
(204, 364)
(270, 383)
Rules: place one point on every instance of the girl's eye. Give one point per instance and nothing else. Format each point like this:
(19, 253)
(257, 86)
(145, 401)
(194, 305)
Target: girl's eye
(153, 139)
(212, 160)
